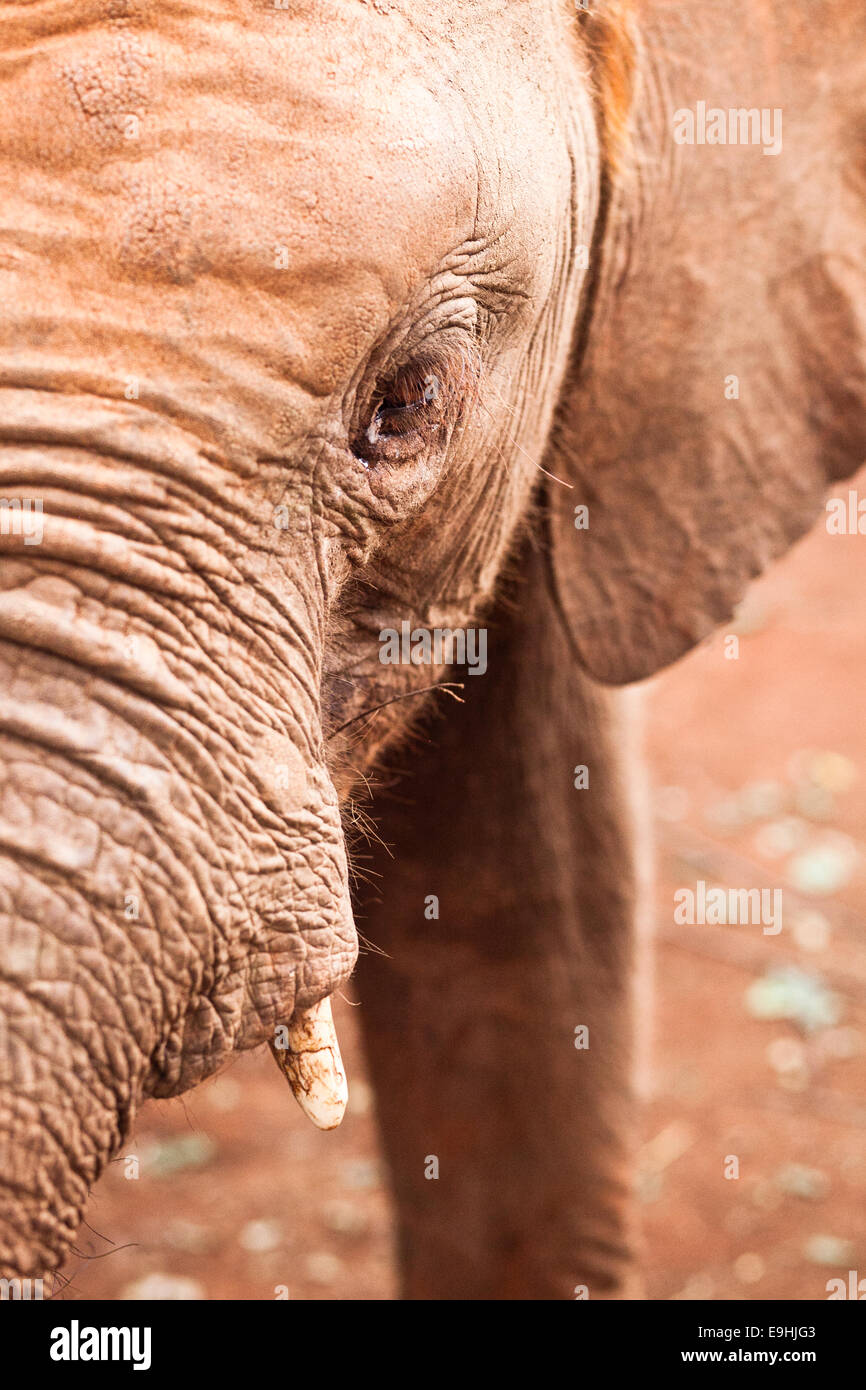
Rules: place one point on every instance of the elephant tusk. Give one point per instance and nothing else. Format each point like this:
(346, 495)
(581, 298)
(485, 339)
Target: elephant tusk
(313, 1066)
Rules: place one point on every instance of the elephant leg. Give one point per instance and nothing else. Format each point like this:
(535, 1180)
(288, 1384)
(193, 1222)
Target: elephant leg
(499, 1032)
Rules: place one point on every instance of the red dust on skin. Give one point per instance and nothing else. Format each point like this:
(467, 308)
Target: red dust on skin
(714, 725)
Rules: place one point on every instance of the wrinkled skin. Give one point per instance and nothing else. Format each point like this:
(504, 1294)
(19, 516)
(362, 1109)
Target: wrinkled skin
(232, 239)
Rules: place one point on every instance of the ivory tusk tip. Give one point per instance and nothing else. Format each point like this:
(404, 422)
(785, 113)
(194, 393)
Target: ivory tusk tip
(313, 1066)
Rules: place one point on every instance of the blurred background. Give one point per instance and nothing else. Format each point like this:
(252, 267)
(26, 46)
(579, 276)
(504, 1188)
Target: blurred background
(758, 767)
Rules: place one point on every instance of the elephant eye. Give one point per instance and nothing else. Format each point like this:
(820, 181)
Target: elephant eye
(412, 409)
(404, 418)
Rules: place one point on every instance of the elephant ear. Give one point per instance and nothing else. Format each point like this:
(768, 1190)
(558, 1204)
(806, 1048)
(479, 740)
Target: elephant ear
(718, 381)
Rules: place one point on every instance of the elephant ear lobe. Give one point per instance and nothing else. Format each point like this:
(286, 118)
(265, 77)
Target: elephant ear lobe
(719, 384)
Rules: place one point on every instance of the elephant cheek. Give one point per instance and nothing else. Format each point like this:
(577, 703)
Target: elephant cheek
(307, 945)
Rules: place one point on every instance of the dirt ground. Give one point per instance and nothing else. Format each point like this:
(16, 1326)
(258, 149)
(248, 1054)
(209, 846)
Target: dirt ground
(753, 1173)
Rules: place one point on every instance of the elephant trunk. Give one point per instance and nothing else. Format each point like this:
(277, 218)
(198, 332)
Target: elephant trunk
(173, 877)
(63, 1109)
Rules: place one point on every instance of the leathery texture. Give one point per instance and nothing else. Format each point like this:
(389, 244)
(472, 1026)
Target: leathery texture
(173, 879)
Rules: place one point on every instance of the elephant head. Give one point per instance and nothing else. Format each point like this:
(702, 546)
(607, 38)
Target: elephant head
(311, 311)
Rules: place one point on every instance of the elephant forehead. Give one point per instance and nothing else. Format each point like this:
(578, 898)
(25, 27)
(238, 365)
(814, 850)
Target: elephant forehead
(213, 147)
(223, 198)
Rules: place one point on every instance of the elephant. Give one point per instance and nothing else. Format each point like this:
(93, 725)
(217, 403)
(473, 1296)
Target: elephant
(330, 320)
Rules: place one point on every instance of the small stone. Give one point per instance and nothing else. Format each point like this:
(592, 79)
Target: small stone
(761, 800)
(322, 1267)
(786, 1056)
(698, 1290)
(833, 771)
(160, 1158)
(811, 931)
(795, 1081)
(815, 803)
(766, 1196)
(163, 1288)
(790, 993)
(831, 1251)
(824, 868)
(361, 1174)
(796, 1180)
(725, 816)
(779, 838)
(345, 1218)
(260, 1237)
(186, 1235)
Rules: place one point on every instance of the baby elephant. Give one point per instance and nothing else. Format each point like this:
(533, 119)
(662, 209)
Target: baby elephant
(370, 367)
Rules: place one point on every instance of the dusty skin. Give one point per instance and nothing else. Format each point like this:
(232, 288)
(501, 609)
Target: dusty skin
(322, 319)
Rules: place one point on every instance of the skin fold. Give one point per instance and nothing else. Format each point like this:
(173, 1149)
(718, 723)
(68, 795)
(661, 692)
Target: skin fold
(319, 319)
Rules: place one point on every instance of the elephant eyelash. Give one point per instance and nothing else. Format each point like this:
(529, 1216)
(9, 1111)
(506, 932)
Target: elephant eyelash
(423, 400)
